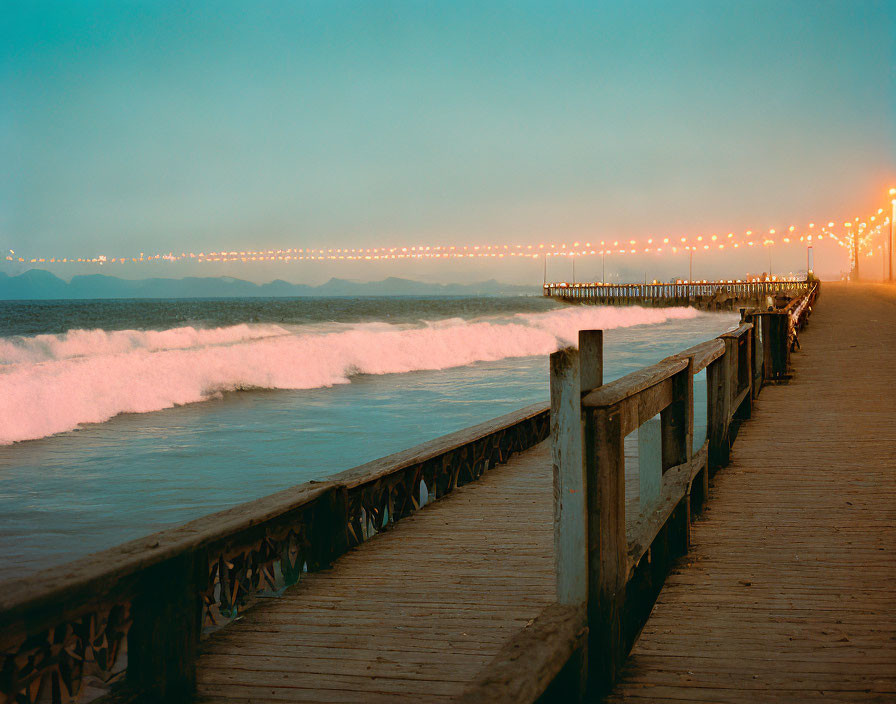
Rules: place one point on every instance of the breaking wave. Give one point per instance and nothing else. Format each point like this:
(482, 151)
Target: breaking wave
(54, 383)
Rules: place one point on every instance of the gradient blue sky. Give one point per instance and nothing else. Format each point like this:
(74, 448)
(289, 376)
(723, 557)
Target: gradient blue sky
(156, 126)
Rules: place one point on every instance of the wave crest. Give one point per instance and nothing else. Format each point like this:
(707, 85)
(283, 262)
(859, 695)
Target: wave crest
(53, 383)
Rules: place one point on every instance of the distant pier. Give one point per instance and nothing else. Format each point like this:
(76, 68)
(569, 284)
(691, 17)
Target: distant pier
(713, 295)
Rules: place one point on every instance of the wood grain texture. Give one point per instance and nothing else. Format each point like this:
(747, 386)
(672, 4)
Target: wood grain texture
(789, 591)
(529, 663)
(414, 614)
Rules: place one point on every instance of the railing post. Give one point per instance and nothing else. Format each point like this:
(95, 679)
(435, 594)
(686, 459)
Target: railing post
(755, 353)
(570, 483)
(677, 423)
(591, 359)
(605, 469)
(778, 345)
(765, 322)
(718, 406)
(163, 640)
(745, 373)
(732, 354)
(573, 372)
(677, 420)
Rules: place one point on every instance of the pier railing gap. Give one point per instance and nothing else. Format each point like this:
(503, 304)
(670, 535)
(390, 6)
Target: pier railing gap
(131, 617)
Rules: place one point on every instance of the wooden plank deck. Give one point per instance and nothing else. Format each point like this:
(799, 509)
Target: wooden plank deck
(789, 591)
(412, 614)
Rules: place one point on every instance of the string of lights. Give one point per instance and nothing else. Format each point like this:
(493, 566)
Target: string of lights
(867, 230)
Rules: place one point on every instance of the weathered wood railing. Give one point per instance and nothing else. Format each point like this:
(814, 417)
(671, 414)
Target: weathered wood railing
(610, 569)
(777, 329)
(133, 616)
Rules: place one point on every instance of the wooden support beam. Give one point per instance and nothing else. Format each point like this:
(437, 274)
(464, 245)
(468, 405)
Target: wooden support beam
(745, 375)
(535, 663)
(163, 640)
(570, 485)
(607, 545)
(718, 413)
(573, 373)
(591, 359)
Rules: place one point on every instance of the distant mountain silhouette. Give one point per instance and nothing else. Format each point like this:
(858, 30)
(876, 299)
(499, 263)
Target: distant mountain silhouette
(37, 284)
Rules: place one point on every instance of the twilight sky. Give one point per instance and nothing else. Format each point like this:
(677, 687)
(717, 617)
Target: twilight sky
(155, 126)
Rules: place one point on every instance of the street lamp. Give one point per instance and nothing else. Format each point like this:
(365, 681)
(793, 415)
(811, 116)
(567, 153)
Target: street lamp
(855, 253)
(892, 230)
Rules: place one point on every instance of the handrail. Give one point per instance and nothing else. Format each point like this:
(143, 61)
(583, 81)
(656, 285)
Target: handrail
(703, 354)
(738, 332)
(376, 469)
(631, 384)
(106, 573)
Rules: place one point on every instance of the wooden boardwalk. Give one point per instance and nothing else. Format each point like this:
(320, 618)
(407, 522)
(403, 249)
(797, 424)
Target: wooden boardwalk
(789, 591)
(415, 613)
(411, 615)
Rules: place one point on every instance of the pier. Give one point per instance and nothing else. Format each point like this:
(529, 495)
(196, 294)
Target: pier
(591, 548)
(711, 295)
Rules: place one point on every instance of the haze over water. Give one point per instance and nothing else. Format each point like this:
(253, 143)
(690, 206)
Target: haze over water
(123, 417)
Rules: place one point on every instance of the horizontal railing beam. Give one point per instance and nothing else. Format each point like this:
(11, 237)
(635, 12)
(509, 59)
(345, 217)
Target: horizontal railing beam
(535, 663)
(637, 409)
(63, 593)
(619, 390)
(703, 354)
(376, 469)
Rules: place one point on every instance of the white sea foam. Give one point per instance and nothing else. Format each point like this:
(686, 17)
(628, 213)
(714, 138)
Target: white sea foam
(53, 383)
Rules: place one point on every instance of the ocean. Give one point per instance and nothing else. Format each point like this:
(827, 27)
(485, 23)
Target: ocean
(122, 417)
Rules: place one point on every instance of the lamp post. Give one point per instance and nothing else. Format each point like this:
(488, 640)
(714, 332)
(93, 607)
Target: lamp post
(690, 264)
(810, 263)
(855, 252)
(892, 231)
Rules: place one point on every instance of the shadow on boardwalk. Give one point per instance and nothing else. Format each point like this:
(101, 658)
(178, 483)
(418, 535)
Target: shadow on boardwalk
(789, 591)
